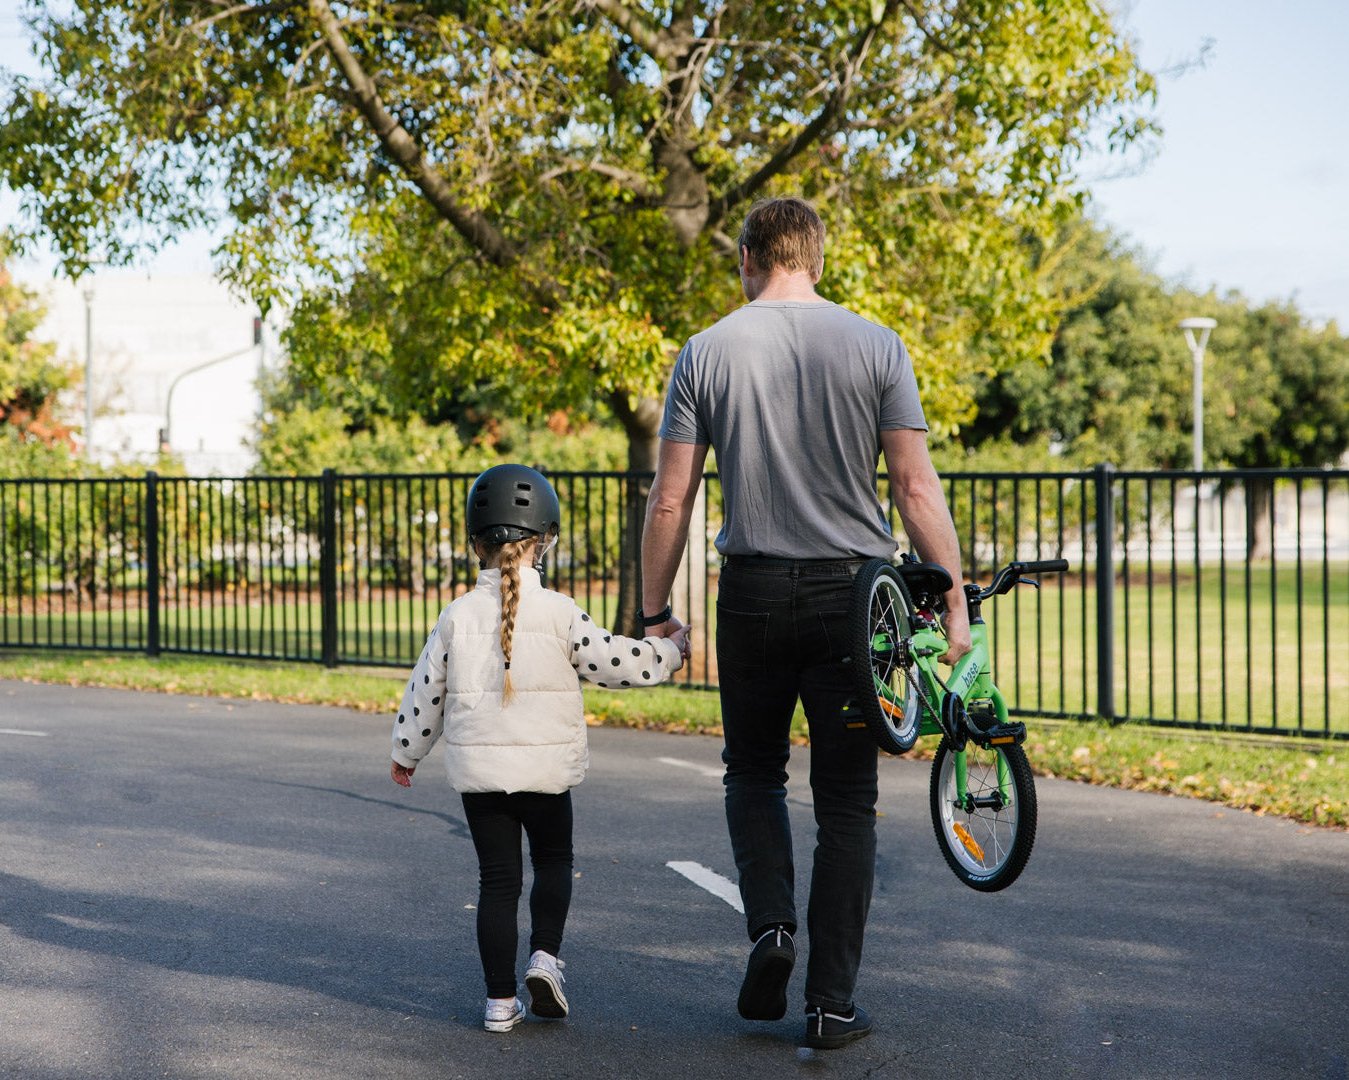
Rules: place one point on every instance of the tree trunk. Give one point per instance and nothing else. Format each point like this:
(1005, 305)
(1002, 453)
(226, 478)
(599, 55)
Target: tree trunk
(641, 423)
(1259, 517)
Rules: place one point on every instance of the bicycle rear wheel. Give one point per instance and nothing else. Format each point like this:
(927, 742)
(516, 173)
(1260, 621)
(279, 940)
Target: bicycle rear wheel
(987, 836)
(879, 628)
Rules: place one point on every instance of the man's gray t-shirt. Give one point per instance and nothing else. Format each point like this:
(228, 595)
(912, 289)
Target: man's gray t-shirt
(793, 397)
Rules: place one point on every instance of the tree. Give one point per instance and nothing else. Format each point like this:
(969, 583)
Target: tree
(549, 187)
(536, 200)
(1118, 384)
(31, 379)
(1300, 420)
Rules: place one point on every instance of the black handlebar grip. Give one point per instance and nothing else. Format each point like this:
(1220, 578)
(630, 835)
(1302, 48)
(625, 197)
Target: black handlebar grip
(1044, 566)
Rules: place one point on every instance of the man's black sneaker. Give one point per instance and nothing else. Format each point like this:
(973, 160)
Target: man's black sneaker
(763, 994)
(827, 1030)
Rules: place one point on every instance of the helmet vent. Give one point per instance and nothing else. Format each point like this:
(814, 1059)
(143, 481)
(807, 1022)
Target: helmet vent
(515, 497)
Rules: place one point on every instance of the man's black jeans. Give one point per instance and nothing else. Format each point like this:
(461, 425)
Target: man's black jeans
(782, 633)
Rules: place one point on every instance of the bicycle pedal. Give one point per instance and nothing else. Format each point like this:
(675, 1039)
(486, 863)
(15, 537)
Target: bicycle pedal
(1009, 734)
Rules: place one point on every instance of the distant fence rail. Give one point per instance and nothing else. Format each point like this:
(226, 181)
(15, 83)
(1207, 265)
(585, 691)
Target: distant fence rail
(1202, 600)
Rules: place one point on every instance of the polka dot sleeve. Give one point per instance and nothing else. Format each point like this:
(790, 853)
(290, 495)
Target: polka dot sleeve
(421, 716)
(614, 661)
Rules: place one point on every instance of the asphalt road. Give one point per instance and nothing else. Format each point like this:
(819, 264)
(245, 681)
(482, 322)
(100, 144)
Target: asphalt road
(201, 888)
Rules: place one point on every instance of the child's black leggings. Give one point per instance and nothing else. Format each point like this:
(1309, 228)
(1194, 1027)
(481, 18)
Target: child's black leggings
(495, 820)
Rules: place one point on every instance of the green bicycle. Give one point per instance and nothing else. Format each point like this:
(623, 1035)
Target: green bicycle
(982, 793)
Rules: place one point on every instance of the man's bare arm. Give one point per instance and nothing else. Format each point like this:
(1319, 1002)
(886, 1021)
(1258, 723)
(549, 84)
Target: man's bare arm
(918, 496)
(679, 472)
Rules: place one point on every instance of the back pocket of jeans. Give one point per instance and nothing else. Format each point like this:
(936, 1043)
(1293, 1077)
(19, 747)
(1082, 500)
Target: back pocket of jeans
(742, 641)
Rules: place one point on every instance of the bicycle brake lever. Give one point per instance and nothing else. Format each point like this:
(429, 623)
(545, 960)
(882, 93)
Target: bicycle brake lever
(1028, 581)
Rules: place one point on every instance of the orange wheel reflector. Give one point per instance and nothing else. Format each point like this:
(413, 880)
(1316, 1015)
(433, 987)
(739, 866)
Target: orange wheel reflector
(890, 708)
(971, 845)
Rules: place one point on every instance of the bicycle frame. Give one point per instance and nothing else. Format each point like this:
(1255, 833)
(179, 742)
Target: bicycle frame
(982, 792)
(971, 679)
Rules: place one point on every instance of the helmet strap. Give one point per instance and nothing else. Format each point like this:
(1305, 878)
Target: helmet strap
(545, 545)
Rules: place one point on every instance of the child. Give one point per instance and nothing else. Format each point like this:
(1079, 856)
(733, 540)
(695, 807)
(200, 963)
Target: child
(498, 678)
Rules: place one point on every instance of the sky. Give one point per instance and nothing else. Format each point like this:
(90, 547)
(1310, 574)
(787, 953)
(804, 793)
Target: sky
(1249, 187)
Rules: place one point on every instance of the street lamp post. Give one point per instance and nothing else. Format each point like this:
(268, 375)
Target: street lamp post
(166, 432)
(1197, 331)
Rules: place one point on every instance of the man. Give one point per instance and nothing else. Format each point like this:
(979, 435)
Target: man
(800, 397)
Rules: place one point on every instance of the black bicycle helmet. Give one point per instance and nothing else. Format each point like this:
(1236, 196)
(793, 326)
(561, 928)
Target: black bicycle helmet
(512, 502)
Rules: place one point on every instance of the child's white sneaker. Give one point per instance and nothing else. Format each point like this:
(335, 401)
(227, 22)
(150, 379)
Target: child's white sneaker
(544, 978)
(503, 1013)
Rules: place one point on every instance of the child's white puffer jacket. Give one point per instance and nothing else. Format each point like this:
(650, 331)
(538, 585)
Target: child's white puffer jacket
(538, 741)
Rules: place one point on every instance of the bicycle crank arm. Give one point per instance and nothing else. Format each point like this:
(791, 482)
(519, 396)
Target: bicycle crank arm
(980, 727)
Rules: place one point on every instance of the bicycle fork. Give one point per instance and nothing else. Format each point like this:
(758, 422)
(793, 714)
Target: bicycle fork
(987, 726)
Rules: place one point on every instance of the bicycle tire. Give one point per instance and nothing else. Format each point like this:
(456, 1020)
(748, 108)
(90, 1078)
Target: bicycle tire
(878, 624)
(997, 841)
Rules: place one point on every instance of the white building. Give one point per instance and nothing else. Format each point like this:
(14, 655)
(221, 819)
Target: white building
(167, 356)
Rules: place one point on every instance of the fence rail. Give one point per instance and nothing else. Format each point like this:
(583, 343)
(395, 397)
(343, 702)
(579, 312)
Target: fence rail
(1205, 600)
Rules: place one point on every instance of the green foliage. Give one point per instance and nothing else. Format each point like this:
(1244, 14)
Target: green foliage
(527, 207)
(31, 378)
(1118, 386)
(66, 538)
(299, 438)
(1303, 374)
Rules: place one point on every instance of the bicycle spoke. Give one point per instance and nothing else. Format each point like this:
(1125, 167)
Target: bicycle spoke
(983, 810)
(879, 627)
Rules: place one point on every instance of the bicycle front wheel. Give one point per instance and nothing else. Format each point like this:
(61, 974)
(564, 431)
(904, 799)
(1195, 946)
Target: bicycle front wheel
(986, 824)
(879, 629)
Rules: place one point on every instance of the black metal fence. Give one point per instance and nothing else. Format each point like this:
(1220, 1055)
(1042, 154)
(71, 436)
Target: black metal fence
(1209, 600)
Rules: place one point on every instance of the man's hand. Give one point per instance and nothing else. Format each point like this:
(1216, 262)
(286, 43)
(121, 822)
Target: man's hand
(401, 774)
(676, 631)
(680, 636)
(957, 625)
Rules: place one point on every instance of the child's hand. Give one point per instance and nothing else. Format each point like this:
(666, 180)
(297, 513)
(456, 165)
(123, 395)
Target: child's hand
(681, 638)
(401, 774)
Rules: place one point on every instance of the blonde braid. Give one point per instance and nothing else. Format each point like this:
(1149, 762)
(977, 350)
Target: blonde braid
(510, 558)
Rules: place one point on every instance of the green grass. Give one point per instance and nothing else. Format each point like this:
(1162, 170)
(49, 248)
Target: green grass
(1188, 650)
(1305, 780)
(1261, 657)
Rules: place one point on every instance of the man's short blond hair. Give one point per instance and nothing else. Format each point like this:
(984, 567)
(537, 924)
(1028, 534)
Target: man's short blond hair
(785, 233)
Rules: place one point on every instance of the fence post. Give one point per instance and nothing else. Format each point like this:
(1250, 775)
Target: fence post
(1105, 591)
(328, 567)
(151, 540)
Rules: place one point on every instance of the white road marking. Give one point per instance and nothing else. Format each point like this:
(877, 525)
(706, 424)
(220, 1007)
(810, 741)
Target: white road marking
(710, 880)
(716, 774)
(16, 731)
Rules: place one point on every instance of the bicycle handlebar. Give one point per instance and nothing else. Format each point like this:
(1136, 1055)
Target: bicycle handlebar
(1043, 566)
(1010, 576)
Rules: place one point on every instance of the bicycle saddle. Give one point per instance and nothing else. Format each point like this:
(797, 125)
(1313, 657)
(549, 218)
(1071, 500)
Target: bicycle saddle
(925, 580)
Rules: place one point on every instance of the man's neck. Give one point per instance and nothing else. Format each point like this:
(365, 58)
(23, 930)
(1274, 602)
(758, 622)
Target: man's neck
(798, 285)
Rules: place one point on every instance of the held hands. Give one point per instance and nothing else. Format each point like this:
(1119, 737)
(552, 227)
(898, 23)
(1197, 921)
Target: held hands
(401, 774)
(676, 631)
(681, 638)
